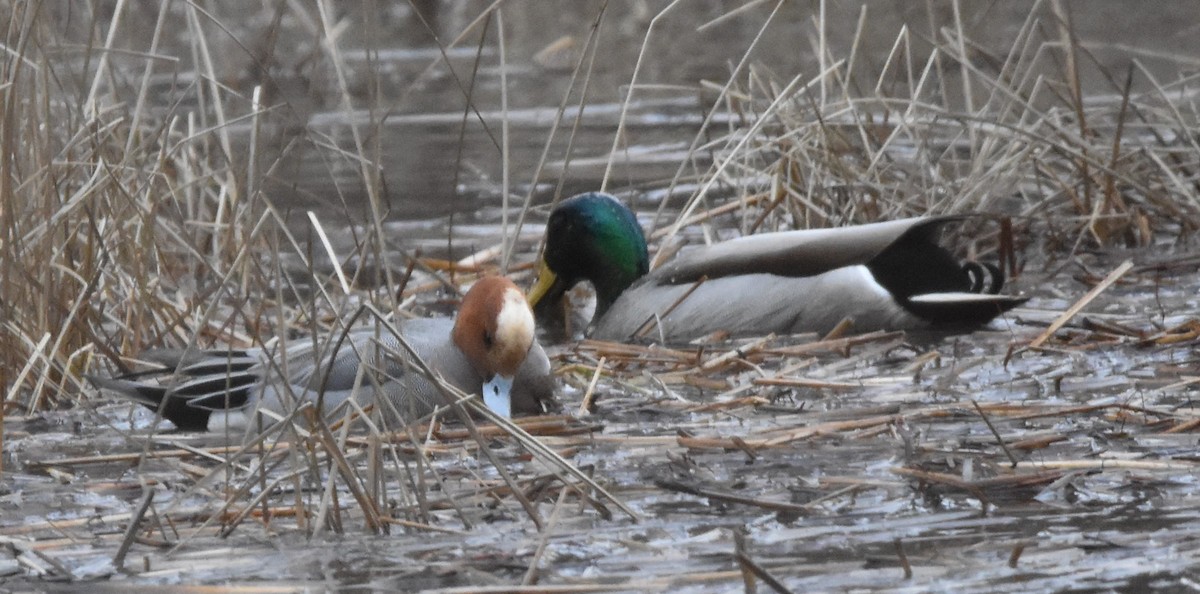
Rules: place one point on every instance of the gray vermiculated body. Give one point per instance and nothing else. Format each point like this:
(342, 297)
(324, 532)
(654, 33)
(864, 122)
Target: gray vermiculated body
(756, 304)
(389, 370)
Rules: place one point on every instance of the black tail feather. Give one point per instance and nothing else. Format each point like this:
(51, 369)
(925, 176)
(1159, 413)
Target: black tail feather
(984, 277)
(157, 398)
(190, 384)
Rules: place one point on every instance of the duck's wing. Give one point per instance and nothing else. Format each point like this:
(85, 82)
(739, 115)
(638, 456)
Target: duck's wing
(758, 304)
(362, 364)
(754, 305)
(190, 383)
(795, 253)
(331, 364)
(882, 276)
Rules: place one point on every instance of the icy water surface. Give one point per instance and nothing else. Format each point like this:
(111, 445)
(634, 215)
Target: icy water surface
(860, 457)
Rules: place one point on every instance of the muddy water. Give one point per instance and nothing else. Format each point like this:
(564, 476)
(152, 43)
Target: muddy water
(829, 512)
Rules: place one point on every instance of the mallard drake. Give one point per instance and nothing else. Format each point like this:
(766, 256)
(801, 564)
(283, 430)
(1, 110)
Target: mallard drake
(489, 349)
(881, 276)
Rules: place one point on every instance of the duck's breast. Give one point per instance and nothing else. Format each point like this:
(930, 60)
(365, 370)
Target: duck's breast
(533, 389)
(430, 337)
(756, 304)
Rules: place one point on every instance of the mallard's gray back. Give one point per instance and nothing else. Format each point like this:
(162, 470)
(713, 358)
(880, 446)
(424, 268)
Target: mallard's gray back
(755, 305)
(800, 253)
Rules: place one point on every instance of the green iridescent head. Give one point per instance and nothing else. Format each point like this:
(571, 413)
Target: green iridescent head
(589, 237)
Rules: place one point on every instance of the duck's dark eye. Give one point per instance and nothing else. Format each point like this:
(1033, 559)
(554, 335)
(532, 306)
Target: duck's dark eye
(487, 339)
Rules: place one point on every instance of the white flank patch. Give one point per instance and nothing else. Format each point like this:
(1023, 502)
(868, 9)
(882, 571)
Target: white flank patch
(959, 298)
(221, 420)
(864, 278)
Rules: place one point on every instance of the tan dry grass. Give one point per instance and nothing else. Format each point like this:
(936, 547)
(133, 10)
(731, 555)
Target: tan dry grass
(132, 222)
(1015, 138)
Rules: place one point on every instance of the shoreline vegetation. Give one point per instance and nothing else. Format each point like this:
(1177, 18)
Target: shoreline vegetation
(145, 203)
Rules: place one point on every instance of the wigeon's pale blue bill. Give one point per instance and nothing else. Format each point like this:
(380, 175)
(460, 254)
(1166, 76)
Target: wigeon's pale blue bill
(497, 395)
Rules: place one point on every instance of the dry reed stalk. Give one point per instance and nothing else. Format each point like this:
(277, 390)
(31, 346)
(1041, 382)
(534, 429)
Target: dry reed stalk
(1078, 306)
(590, 50)
(1003, 136)
(731, 497)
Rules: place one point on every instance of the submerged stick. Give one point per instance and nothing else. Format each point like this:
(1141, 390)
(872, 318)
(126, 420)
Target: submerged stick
(899, 544)
(728, 497)
(751, 568)
(999, 440)
(1079, 305)
(135, 522)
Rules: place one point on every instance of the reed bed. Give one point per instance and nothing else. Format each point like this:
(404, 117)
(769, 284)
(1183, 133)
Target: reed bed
(135, 223)
(952, 130)
(144, 204)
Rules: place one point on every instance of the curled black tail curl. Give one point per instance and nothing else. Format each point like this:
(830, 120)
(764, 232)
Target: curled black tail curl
(984, 277)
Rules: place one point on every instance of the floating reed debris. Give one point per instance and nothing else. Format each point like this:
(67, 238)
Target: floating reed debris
(986, 489)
